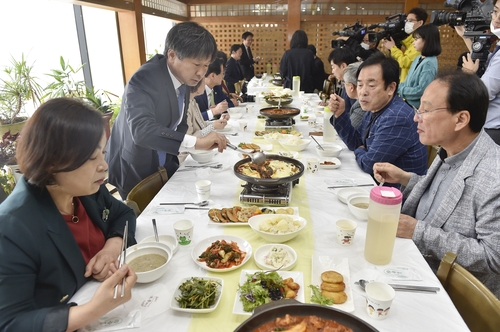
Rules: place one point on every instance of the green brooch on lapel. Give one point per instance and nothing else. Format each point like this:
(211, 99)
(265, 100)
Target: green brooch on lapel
(105, 214)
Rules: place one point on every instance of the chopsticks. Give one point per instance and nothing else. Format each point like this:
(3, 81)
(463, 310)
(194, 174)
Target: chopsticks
(351, 185)
(122, 259)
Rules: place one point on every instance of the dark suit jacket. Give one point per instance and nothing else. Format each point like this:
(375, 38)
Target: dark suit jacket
(41, 265)
(246, 63)
(233, 73)
(143, 127)
(298, 62)
(319, 75)
(219, 96)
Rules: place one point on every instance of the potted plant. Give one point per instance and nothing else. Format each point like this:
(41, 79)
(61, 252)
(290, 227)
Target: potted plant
(66, 84)
(16, 90)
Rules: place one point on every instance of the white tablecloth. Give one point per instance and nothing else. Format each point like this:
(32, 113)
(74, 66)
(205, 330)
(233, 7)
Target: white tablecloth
(409, 312)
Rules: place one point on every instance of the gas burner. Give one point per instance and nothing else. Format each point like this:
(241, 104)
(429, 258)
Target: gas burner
(279, 123)
(276, 195)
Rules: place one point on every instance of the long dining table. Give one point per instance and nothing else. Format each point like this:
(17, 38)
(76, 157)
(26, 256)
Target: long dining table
(316, 244)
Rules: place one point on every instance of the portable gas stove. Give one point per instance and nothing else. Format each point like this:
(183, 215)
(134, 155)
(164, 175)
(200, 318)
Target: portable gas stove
(276, 195)
(279, 123)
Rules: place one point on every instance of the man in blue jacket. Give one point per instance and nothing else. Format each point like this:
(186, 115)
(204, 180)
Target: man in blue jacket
(387, 132)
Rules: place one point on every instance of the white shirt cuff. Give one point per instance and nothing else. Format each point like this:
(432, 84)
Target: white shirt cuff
(187, 143)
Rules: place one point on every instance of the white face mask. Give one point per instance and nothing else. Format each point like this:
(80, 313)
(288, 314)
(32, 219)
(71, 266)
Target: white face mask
(409, 27)
(494, 31)
(365, 46)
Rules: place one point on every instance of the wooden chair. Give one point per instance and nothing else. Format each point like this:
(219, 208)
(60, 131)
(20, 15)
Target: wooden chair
(477, 305)
(237, 86)
(140, 196)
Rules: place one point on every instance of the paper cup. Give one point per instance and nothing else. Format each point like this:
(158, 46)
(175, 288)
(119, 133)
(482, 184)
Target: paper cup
(379, 298)
(243, 125)
(345, 231)
(203, 189)
(184, 231)
(313, 165)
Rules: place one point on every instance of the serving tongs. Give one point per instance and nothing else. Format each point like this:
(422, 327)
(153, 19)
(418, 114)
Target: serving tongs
(257, 157)
(122, 259)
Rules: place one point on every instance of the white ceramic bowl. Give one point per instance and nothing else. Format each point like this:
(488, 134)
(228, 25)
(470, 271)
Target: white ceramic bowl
(277, 136)
(203, 156)
(255, 221)
(236, 112)
(169, 240)
(331, 150)
(263, 251)
(359, 213)
(344, 193)
(150, 248)
(299, 147)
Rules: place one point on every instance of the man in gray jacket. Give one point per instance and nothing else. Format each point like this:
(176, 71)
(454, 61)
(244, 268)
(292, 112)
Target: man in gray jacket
(151, 126)
(455, 207)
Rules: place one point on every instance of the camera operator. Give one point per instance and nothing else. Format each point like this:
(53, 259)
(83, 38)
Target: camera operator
(416, 17)
(491, 76)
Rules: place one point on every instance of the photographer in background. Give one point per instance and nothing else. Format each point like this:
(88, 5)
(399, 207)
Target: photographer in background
(491, 77)
(416, 18)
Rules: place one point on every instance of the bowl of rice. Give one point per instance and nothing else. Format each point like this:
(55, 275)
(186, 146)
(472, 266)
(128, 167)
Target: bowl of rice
(277, 228)
(294, 143)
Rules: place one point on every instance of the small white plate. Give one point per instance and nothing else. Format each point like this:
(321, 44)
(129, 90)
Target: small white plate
(293, 154)
(175, 305)
(242, 104)
(331, 159)
(298, 277)
(266, 147)
(204, 244)
(167, 239)
(321, 264)
(262, 252)
(343, 193)
(226, 129)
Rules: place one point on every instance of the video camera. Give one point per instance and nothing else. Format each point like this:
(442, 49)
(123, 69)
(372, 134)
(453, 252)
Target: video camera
(394, 26)
(355, 32)
(475, 15)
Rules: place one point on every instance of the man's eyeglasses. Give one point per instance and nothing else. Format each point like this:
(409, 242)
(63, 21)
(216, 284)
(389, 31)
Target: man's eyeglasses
(419, 113)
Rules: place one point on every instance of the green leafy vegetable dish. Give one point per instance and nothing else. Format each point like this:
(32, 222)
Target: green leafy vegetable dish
(261, 288)
(198, 293)
(318, 298)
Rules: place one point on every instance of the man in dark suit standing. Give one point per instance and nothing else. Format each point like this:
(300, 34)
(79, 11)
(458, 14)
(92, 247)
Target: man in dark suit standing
(150, 129)
(247, 60)
(213, 102)
(233, 70)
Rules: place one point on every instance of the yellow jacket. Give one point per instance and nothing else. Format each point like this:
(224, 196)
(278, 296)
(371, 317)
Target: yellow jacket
(405, 58)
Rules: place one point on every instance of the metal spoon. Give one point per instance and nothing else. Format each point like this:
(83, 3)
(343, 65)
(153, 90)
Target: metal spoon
(317, 142)
(155, 230)
(257, 157)
(406, 288)
(202, 203)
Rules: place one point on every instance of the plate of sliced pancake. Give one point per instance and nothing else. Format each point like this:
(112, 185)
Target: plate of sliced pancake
(239, 215)
(331, 275)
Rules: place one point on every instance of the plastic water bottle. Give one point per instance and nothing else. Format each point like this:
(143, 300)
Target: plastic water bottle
(328, 129)
(296, 85)
(383, 218)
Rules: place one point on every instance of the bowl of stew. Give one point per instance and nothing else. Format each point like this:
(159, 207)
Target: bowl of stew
(149, 260)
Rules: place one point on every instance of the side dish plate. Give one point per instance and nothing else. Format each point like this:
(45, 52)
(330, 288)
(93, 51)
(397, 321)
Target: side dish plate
(201, 246)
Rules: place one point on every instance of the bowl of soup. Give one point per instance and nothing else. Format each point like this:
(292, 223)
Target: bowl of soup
(358, 205)
(149, 260)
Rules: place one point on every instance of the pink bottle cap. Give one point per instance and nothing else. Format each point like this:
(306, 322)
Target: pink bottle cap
(386, 195)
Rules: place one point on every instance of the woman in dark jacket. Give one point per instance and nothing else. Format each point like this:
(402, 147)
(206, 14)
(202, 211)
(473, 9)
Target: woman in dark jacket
(60, 227)
(298, 61)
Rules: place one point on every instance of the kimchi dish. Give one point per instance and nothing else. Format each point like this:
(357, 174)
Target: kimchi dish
(303, 324)
(222, 255)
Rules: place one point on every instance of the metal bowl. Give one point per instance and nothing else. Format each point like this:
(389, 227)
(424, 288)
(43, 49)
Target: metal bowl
(293, 112)
(270, 182)
(284, 101)
(277, 82)
(270, 311)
